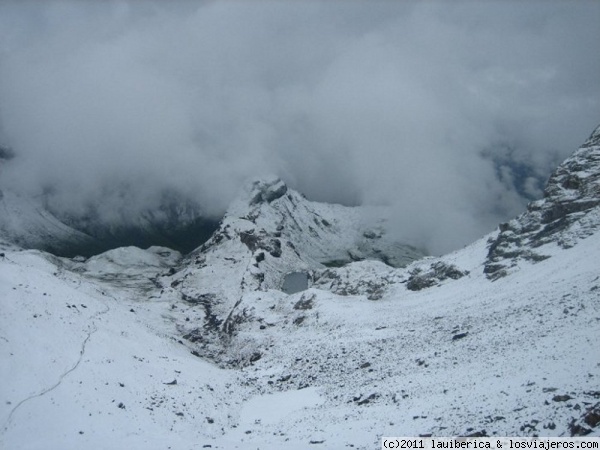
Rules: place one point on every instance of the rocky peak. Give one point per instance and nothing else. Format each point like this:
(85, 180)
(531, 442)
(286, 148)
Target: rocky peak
(267, 190)
(567, 213)
(269, 232)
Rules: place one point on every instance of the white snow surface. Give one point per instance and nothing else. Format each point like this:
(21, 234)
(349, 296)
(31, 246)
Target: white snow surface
(25, 221)
(87, 362)
(146, 349)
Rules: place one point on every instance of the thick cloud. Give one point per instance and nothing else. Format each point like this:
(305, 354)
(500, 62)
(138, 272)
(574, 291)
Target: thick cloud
(454, 113)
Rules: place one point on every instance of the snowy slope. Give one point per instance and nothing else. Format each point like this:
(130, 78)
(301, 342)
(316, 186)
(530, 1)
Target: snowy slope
(566, 214)
(25, 221)
(91, 349)
(83, 368)
(340, 369)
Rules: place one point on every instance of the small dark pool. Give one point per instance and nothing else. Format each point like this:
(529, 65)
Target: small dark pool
(295, 282)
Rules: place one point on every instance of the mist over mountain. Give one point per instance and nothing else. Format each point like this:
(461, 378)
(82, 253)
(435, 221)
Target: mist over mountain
(298, 325)
(221, 222)
(452, 113)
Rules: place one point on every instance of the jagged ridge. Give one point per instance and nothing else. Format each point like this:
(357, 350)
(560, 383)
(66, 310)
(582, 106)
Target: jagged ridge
(567, 213)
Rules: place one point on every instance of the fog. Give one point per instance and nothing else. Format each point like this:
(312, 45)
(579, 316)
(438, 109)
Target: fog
(453, 113)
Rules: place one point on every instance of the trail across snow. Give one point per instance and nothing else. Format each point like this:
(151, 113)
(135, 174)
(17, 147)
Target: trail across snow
(349, 372)
(93, 329)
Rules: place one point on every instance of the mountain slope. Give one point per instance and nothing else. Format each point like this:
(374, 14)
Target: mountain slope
(25, 222)
(567, 213)
(143, 348)
(29, 223)
(267, 233)
(469, 356)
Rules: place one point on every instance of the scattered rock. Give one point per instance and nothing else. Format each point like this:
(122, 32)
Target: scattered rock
(364, 401)
(437, 273)
(458, 336)
(255, 357)
(592, 416)
(304, 303)
(570, 195)
(267, 191)
(481, 433)
(299, 320)
(578, 430)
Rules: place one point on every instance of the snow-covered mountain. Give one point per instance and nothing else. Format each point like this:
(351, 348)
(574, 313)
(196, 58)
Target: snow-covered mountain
(296, 326)
(26, 222)
(29, 222)
(271, 231)
(567, 213)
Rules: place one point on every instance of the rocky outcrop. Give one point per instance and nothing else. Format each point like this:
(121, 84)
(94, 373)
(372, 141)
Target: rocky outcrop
(267, 190)
(368, 278)
(567, 213)
(588, 422)
(438, 272)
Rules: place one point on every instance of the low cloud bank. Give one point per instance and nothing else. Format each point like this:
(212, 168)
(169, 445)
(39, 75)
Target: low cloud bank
(454, 114)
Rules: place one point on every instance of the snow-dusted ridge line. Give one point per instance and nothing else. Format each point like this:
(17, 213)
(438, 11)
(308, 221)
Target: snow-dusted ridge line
(566, 214)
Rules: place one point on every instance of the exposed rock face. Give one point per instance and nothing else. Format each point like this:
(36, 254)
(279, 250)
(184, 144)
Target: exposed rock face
(368, 278)
(567, 213)
(587, 422)
(267, 190)
(437, 273)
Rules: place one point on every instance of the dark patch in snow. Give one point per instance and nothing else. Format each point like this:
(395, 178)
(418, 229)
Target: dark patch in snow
(305, 303)
(295, 282)
(437, 272)
(458, 336)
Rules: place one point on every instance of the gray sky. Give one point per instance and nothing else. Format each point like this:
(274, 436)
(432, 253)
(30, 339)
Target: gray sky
(451, 112)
